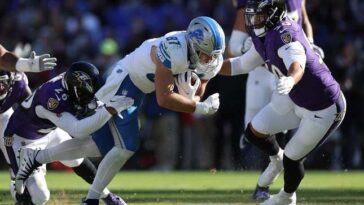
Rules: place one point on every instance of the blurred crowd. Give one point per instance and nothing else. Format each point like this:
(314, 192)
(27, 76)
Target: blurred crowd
(102, 32)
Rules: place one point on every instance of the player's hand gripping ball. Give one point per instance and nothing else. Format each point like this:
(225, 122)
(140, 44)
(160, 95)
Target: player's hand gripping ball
(187, 84)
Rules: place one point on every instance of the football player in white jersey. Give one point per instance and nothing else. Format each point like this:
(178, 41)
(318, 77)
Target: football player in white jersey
(261, 83)
(151, 67)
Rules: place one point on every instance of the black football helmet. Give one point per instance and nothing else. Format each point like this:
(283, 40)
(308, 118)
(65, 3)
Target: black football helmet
(82, 81)
(6, 81)
(263, 15)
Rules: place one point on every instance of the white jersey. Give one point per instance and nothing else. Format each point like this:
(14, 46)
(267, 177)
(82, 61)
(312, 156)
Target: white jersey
(172, 51)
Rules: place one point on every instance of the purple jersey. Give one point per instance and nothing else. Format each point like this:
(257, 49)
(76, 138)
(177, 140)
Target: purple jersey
(53, 97)
(295, 6)
(317, 89)
(17, 93)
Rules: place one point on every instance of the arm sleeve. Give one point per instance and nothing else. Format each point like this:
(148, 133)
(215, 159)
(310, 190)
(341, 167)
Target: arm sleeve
(73, 126)
(246, 63)
(236, 42)
(292, 52)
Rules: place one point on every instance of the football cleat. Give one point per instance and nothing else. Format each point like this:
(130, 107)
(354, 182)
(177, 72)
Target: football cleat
(261, 193)
(282, 198)
(113, 199)
(274, 169)
(90, 202)
(27, 164)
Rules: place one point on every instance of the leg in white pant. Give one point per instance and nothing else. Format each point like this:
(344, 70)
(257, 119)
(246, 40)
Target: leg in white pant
(68, 150)
(37, 186)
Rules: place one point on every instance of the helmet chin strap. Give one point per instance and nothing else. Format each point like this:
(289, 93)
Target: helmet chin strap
(260, 32)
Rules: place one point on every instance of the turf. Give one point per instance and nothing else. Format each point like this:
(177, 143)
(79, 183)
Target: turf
(205, 187)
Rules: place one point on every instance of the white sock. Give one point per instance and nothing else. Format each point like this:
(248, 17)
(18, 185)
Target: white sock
(104, 193)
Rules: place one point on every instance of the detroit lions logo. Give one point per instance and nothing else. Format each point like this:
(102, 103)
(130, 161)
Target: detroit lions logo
(197, 34)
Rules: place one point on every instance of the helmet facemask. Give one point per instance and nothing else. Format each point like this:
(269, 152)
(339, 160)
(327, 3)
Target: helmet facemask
(261, 16)
(202, 61)
(6, 80)
(256, 23)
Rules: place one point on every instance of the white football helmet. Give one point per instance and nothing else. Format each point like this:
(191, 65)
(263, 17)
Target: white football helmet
(205, 35)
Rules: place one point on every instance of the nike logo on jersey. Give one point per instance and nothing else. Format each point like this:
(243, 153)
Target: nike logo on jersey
(281, 31)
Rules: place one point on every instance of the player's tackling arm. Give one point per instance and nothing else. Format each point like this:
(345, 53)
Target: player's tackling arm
(242, 64)
(72, 125)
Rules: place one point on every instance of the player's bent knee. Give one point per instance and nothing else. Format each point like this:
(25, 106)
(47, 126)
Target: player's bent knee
(72, 163)
(120, 154)
(267, 144)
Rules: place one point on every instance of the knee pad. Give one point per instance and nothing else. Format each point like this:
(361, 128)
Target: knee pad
(86, 170)
(268, 145)
(293, 174)
(119, 154)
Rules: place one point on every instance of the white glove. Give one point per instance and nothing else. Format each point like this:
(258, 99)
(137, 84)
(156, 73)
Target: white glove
(185, 84)
(209, 106)
(21, 50)
(120, 103)
(246, 45)
(285, 85)
(35, 63)
(318, 50)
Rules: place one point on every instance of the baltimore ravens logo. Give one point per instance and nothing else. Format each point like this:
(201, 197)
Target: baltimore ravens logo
(286, 37)
(197, 34)
(52, 104)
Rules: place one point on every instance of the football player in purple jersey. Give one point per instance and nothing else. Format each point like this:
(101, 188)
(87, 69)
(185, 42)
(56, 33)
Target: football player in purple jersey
(32, 125)
(307, 97)
(260, 83)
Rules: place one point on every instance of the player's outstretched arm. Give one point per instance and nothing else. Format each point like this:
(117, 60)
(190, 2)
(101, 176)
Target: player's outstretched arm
(242, 64)
(10, 62)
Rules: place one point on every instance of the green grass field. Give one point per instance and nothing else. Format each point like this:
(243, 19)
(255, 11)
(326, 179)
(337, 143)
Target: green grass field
(198, 188)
